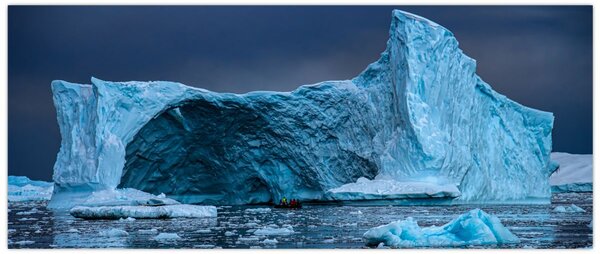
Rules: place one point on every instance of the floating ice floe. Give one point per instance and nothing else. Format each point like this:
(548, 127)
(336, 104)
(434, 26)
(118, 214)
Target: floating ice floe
(273, 230)
(26, 242)
(475, 227)
(365, 189)
(569, 209)
(30, 212)
(22, 189)
(148, 231)
(114, 232)
(167, 237)
(574, 173)
(143, 212)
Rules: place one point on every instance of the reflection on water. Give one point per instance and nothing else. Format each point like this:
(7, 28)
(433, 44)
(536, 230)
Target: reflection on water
(31, 225)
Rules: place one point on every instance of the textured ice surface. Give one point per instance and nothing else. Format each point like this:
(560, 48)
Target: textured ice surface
(365, 189)
(143, 212)
(575, 173)
(569, 209)
(21, 188)
(419, 112)
(472, 228)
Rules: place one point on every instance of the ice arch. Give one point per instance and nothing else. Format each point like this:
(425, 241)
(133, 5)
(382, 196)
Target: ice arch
(419, 113)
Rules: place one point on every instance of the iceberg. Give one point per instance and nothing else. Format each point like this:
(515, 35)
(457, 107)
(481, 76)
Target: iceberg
(22, 189)
(574, 173)
(475, 227)
(418, 113)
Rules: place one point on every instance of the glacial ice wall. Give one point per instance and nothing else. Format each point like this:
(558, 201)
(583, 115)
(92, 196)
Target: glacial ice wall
(418, 114)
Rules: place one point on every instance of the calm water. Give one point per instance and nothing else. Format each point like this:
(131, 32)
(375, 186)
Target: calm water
(315, 226)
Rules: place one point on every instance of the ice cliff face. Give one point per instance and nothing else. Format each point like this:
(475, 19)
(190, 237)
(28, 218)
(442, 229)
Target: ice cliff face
(418, 114)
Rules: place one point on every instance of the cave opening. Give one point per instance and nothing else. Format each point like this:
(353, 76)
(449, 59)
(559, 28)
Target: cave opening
(195, 153)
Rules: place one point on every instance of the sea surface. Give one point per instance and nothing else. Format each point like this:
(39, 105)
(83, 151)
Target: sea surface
(31, 225)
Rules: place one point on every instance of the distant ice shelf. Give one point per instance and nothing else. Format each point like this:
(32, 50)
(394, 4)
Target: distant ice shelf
(574, 173)
(21, 188)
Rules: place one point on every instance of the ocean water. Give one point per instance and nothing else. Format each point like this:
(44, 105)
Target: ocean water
(31, 225)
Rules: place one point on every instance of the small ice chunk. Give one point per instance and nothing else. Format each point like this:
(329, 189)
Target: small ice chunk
(249, 239)
(204, 246)
(113, 232)
(203, 231)
(128, 219)
(73, 230)
(568, 209)
(30, 212)
(148, 231)
(229, 233)
(271, 230)
(26, 242)
(329, 240)
(167, 237)
(270, 241)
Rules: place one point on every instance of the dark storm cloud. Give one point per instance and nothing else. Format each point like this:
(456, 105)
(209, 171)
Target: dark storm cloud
(538, 56)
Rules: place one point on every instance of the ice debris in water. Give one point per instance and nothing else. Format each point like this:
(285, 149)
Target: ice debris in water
(274, 230)
(475, 227)
(143, 212)
(258, 210)
(569, 209)
(114, 232)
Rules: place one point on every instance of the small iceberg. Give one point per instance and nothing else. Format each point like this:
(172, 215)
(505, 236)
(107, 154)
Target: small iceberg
(475, 227)
(569, 209)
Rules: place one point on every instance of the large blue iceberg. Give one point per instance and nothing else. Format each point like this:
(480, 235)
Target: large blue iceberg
(419, 114)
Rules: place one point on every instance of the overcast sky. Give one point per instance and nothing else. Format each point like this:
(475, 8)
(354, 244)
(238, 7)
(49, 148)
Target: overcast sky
(538, 56)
